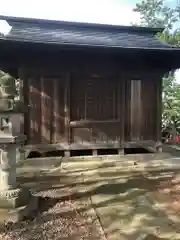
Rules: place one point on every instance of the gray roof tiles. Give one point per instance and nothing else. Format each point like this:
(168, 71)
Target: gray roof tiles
(82, 34)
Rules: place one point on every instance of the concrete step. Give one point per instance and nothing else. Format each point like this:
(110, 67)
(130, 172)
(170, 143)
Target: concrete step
(49, 161)
(143, 160)
(117, 172)
(148, 156)
(38, 164)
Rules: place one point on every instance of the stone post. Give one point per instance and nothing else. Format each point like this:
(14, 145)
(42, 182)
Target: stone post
(7, 167)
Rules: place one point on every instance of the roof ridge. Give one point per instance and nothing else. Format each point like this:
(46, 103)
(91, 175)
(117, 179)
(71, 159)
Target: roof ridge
(13, 20)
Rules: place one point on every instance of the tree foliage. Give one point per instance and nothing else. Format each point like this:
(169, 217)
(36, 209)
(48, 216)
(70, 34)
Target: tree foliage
(171, 101)
(155, 13)
(171, 38)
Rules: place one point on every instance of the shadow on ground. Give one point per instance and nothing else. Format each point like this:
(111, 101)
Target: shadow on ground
(134, 204)
(130, 204)
(54, 219)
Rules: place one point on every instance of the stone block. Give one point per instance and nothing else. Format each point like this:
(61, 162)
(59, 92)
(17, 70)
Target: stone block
(14, 198)
(18, 214)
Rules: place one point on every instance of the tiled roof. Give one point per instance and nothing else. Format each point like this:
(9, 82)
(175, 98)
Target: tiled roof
(82, 34)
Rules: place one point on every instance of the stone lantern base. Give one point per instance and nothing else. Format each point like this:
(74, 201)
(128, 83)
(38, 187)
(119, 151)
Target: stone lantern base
(15, 204)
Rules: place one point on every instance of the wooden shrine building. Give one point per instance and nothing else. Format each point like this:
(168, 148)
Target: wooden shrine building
(88, 86)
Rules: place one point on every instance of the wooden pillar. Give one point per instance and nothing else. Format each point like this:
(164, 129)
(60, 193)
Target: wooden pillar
(24, 97)
(21, 77)
(135, 106)
(159, 109)
(52, 116)
(56, 119)
(121, 116)
(44, 128)
(67, 108)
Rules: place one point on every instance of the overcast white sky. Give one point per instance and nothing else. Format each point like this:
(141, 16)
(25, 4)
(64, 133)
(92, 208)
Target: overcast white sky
(104, 11)
(96, 11)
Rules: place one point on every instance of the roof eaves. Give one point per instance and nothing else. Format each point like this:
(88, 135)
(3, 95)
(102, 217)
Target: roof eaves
(13, 20)
(163, 49)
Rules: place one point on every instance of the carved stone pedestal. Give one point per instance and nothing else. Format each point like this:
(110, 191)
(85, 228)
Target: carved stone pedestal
(15, 202)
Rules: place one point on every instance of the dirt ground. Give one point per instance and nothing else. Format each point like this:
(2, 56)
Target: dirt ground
(58, 217)
(55, 219)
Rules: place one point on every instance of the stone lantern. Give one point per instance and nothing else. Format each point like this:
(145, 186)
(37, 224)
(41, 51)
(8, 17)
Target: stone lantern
(15, 202)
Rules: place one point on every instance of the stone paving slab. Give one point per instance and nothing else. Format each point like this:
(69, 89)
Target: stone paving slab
(128, 217)
(127, 199)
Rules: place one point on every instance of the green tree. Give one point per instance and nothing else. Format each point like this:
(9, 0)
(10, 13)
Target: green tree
(155, 13)
(170, 38)
(171, 102)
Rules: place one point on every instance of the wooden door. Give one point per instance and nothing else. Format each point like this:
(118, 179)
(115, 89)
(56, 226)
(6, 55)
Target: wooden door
(96, 107)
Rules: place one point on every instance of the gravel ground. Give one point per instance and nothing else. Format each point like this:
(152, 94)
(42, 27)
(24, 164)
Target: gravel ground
(55, 220)
(170, 191)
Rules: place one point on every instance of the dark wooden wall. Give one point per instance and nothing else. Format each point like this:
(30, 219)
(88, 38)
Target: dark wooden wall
(91, 107)
(44, 118)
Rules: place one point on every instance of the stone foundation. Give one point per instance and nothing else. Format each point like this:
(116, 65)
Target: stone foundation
(18, 214)
(16, 204)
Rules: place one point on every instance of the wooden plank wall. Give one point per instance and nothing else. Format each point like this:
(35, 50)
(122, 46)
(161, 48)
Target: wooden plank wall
(135, 109)
(151, 108)
(58, 98)
(143, 109)
(44, 119)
